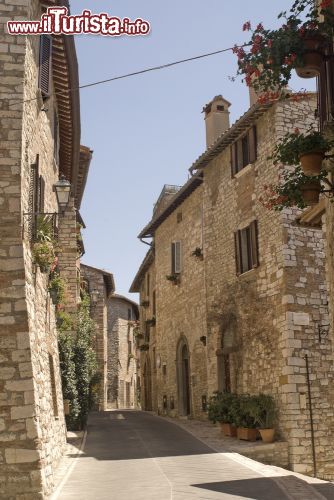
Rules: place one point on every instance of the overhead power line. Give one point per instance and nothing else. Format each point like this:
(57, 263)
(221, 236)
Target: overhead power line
(135, 73)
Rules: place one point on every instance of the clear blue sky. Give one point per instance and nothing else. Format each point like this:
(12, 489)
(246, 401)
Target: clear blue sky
(146, 131)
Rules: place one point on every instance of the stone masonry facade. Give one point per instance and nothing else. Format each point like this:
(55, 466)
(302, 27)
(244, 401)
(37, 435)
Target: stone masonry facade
(122, 353)
(32, 424)
(248, 332)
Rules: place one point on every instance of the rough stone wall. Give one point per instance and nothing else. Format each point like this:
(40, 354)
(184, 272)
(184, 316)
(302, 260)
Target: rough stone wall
(99, 315)
(279, 305)
(122, 368)
(181, 309)
(275, 312)
(32, 427)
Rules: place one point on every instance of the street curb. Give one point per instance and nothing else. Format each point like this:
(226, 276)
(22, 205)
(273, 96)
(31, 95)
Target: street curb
(56, 493)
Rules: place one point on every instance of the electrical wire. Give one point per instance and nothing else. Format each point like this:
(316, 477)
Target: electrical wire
(128, 75)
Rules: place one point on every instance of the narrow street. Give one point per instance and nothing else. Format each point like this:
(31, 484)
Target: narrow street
(130, 454)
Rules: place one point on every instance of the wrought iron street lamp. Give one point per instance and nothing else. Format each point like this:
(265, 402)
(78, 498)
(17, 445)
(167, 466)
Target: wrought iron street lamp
(62, 189)
(94, 296)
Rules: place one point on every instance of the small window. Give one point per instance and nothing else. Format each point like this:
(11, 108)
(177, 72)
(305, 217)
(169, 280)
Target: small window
(154, 303)
(220, 108)
(148, 285)
(129, 347)
(176, 257)
(244, 151)
(179, 217)
(246, 248)
(45, 55)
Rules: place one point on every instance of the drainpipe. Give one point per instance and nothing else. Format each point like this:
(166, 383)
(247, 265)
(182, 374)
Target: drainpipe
(311, 415)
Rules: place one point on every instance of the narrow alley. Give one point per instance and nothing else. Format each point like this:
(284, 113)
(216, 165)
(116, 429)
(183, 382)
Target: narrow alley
(131, 454)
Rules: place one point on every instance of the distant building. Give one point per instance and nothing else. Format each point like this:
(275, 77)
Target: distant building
(100, 285)
(122, 352)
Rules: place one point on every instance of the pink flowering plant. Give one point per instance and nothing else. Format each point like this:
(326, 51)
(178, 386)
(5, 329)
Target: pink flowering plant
(267, 61)
(289, 191)
(295, 144)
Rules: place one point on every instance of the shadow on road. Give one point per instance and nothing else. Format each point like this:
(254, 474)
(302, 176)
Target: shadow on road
(121, 435)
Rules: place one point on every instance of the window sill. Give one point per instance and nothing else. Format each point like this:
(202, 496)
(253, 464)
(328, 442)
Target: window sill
(241, 172)
(247, 274)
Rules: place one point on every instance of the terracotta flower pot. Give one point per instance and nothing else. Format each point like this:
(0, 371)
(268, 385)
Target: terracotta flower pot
(311, 163)
(246, 434)
(312, 65)
(267, 435)
(311, 192)
(312, 58)
(228, 430)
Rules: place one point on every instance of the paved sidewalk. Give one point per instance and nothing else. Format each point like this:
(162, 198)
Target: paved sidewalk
(136, 454)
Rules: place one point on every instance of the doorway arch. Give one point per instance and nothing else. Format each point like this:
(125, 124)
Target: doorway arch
(147, 384)
(183, 377)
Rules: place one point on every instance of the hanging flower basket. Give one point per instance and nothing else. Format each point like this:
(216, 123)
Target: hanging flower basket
(311, 163)
(311, 192)
(312, 57)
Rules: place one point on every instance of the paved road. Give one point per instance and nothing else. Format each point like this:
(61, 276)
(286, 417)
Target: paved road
(135, 455)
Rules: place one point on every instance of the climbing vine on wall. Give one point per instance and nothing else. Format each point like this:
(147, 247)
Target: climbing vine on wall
(78, 363)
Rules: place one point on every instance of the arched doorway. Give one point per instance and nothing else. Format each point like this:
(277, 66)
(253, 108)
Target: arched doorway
(147, 385)
(183, 372)
(227, 345)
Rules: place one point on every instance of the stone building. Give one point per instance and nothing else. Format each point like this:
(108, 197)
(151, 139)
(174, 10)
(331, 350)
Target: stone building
(122, 352)
(100, 285)
(40, 141)
(240, 293)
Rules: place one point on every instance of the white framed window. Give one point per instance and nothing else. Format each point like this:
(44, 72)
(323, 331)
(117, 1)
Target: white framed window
(176, 250)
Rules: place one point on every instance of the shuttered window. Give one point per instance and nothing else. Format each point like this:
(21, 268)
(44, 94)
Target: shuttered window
(246, 248)
(176, 257)
(45, 55)
(244, 151)
(326, 90)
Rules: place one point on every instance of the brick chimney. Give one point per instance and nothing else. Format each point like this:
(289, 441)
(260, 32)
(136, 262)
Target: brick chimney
(217, 119)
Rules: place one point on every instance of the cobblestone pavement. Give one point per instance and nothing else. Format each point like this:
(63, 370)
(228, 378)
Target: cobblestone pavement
(131, 454)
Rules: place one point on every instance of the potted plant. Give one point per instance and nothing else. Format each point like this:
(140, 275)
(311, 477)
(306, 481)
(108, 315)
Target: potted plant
(145, 303)
(307, 150)
(131, 356)
(246, 423)
(57, 288)
(219, 410)
(144, 347)
(174, 278)
(264, 412)
(151, 321)
(198, 253)
(44, 256)
(299, 43)
(295, 189)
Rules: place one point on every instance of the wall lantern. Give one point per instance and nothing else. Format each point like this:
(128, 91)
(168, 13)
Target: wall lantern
(62, 188)
(94, 296)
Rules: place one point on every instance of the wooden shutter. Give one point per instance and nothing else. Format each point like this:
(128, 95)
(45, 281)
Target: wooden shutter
(173, 258)
(252, 144)
(177, 257)
(237, 252)
(234, 160)
(240, 159)
(254, 244)
(45, 51)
